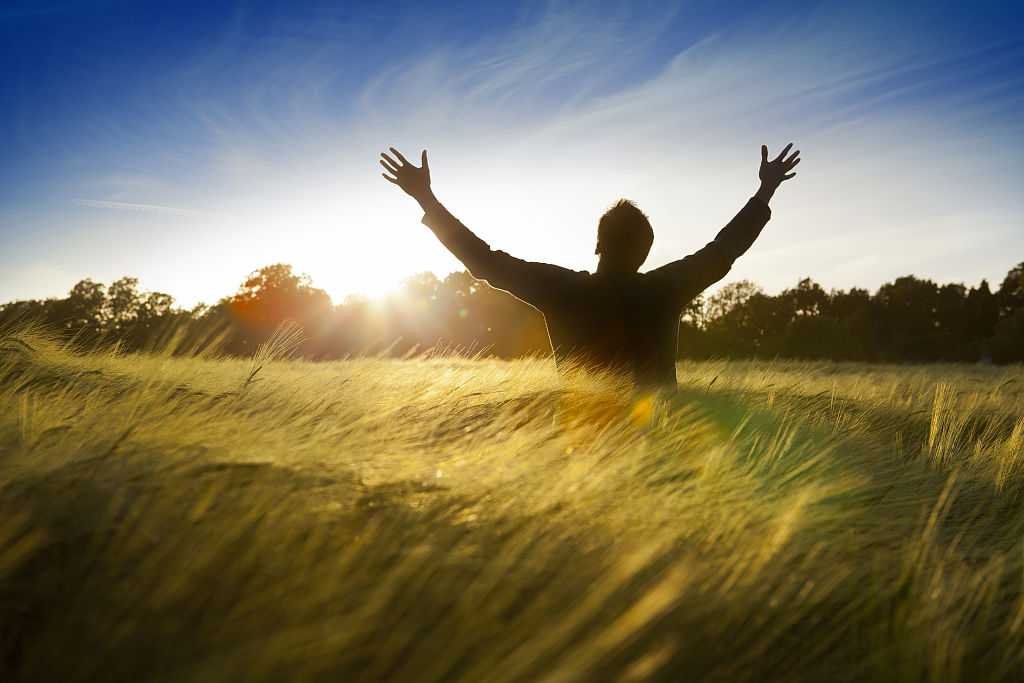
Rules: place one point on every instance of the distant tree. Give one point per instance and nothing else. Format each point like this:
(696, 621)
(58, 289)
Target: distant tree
(908, 308)
(794, 322)
(461, 309)
(808, 336)
(459, 285)
(951, 333)
(694, 340)
(1007, 343)
(83, 309)
(844, 304)
(274, 293)
(729, 297)
(268, 297)
(358, 328)
(421, 288)
(694, 313)
(122, 306)
(806, 299)
(856, 325)
(414, 314)
(910, 319)
(1011, 292)
(155, 317)
(982, 311)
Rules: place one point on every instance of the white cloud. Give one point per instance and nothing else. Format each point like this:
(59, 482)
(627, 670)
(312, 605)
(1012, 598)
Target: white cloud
(892, 150)
(535, 129)
(146, 208)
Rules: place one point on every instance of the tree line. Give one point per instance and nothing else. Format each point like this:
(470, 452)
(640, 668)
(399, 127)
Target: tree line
(908, 320)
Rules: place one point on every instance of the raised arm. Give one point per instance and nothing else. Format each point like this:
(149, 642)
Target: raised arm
(534, 283)
(693, 274)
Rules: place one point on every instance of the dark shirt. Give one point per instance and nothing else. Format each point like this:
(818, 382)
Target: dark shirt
(604, 320)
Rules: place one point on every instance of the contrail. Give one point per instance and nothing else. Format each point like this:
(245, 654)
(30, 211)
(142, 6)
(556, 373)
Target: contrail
(148, 208)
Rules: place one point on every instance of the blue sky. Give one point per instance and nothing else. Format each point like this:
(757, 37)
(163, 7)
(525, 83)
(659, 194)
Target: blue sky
(190, 143)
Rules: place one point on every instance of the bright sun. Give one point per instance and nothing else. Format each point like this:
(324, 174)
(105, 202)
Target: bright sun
(344, 250)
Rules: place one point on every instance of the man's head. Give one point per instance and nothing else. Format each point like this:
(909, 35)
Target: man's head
(624, 238)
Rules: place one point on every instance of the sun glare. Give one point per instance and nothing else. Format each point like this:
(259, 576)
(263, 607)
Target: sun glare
(369, 283)
(349, 246)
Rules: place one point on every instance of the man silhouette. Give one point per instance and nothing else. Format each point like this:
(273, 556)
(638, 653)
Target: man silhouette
(615, 318)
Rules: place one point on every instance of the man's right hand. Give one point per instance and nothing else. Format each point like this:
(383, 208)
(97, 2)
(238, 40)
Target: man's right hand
(414, 180)
(773, 173)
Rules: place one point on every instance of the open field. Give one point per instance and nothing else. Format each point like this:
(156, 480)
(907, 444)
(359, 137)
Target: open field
(451, 519)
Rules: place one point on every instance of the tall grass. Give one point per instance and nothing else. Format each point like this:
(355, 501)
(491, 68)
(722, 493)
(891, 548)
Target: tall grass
(442, 518)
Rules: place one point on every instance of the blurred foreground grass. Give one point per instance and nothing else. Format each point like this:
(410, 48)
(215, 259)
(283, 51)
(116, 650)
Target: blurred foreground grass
(475, 520)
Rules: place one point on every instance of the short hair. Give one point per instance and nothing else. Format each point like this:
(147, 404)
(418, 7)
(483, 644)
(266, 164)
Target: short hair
(624, 232)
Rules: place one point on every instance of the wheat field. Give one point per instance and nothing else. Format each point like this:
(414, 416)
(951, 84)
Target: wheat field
(176, 517)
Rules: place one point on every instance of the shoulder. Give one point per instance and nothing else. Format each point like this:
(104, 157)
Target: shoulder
(660, 277)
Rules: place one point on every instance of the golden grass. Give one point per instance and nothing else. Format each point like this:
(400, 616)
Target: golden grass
(444, 518)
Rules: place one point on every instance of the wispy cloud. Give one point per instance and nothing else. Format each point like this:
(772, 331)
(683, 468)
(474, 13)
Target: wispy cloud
(538, 114)
(147, 208)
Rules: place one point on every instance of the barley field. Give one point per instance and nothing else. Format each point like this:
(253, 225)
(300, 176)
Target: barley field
(182, 517)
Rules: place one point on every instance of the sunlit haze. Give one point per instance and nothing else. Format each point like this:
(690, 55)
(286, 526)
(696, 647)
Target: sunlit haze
(188, 143)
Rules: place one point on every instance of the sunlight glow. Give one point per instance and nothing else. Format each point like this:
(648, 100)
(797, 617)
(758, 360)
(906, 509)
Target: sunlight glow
(265, 148)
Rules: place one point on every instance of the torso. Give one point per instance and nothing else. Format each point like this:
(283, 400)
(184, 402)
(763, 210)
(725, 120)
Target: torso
(629, 322)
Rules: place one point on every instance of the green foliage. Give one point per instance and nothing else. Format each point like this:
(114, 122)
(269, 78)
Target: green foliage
(906, 320)
(441, 518)
(909, 319)
(1007, 343)
(270, 297)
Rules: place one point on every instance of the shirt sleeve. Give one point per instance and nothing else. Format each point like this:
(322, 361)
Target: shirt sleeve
(538, 284)
(692, 274)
